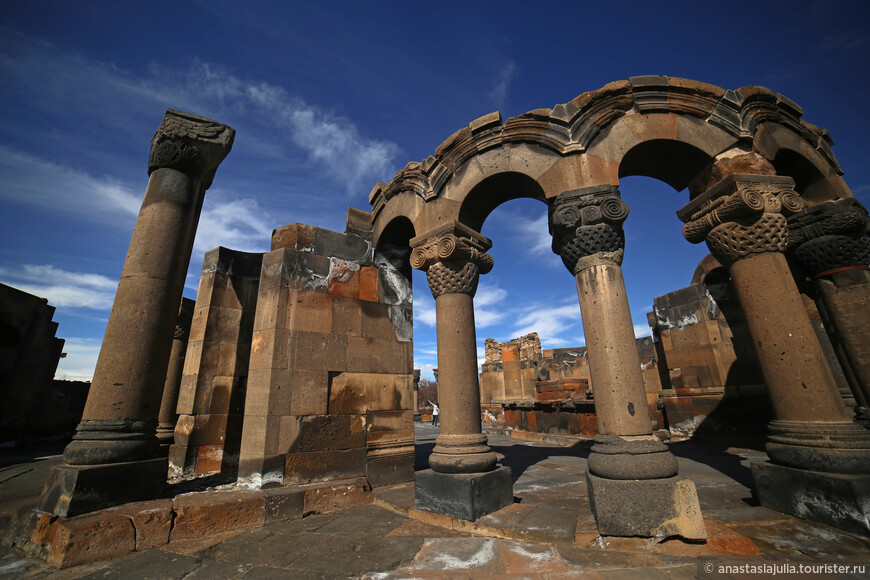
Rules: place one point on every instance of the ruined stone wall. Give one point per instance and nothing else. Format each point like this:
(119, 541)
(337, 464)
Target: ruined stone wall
(330, 391)
(212, 395)
(713, 386)
(29, 353)
(549, 391)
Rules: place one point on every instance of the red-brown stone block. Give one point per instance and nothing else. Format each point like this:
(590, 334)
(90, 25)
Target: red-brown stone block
(208, 512)
(91, 538)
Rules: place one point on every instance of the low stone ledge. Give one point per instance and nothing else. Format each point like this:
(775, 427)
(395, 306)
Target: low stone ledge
(198, 512)
(152, 521)
(89, 538)
(138, 526)
(325, 497)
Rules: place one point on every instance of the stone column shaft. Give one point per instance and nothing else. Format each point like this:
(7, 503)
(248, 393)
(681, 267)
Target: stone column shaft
(614, 366)
(120, 417)
(631, 475)
(787, 346)
(168, 415)
(831, 243)
(457, 365)
(454, 257)
(743, 221)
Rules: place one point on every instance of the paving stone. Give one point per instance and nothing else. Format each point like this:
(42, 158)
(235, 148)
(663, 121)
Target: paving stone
(149, 565)
(193, 546)
(460, 556)
(520, 558)
(412, 528)
(364, 520)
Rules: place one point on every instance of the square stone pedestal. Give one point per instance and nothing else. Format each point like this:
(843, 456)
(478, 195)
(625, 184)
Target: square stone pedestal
(648, 508)
(467, 496)
(839, 500)
(73, 490)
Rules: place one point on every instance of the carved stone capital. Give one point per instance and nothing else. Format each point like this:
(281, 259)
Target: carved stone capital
(586, 225)
(191, 144)
(453, 258)
(831, 236)
(742, 215)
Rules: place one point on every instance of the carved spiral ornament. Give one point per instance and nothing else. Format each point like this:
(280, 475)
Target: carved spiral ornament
(453, 263)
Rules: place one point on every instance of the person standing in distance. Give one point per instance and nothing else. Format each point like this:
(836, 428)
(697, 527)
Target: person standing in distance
(435, 412)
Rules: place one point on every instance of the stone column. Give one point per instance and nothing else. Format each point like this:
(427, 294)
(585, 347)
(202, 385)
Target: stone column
(831, 243)
(462, 464)
(113, 456)
(633, 485)
(812, 441)
(168, 415)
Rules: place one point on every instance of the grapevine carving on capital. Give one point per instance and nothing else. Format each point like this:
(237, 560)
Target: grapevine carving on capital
(453, 258)
(586, 225)
(830, 236)
(742, 215)
(191, 144)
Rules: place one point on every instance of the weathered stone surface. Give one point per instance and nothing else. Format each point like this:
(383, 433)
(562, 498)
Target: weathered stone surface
(320, 499)
(467, 496)
(151, 520)
(307, 467)
(839, 500)
(71, 491)
(91, 538)
(657, 508)
(284, 503)
(210, 512)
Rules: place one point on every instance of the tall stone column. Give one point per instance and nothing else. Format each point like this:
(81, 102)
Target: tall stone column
(633, 484)
(831, 243)
(813, 444)
(168, 417)
(463, 480)
(113, 457)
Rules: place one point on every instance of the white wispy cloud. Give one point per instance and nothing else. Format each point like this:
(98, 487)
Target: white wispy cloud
(504, 76)
(551, 323)
(536, 233)
(328, 139)
(81, 359)
(70, 83)
(38, 182)
(62, 288)
(239, 224)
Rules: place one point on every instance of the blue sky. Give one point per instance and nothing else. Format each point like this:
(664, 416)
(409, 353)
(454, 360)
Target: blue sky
(328, 98)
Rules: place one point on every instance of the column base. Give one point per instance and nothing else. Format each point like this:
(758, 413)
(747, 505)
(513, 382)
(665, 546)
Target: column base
(647, 508)
(466, 496)
(831, 447)
(73, 490)
(839, 500)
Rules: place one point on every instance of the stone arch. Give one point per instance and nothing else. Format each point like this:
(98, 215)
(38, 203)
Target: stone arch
(492, 192)
(624, 128)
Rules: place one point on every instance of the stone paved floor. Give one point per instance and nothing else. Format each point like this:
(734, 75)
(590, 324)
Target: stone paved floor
(548, 533)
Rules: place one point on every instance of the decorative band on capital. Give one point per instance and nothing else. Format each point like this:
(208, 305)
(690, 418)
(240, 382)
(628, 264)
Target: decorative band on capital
(743, 215)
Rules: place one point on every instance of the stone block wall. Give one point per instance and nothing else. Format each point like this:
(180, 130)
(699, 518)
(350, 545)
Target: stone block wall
(713, 386)
(211, 398)
(29, 354)
(549, 391)
(330, 391)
